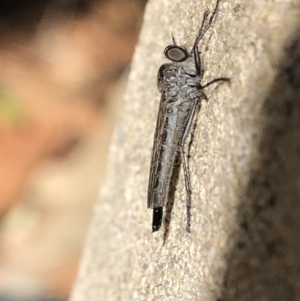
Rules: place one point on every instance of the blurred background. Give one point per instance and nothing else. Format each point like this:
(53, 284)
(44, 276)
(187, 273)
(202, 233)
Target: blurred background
(63, 69)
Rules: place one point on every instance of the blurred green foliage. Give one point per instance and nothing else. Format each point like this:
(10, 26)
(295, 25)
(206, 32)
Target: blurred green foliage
(12, 111)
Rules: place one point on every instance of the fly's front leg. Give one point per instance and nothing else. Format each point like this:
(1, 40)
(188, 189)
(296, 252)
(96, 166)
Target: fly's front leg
(204, 27)
(195, 49)
(185, 158)
(197, 60)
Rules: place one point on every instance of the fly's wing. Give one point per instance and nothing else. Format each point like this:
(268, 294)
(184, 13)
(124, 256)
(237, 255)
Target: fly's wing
(155, 159)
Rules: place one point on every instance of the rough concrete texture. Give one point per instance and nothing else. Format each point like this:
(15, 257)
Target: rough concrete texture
(245, 166)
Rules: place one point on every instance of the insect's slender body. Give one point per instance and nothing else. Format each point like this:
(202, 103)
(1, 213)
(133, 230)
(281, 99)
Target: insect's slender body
(174, 114)
(179, 83)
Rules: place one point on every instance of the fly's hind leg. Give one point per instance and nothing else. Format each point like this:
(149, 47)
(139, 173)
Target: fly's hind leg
(188, 190)
(191, 125)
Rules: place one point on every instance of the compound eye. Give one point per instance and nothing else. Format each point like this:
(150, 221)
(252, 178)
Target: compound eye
(176, 53)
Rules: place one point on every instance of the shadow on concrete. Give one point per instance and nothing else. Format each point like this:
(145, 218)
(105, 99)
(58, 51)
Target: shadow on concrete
(264, 263)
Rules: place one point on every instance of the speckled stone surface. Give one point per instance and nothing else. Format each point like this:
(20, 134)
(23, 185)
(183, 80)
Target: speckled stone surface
(245, 165)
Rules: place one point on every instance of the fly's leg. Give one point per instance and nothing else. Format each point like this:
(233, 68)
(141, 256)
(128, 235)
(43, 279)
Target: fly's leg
(190, 128)
(220, 79)
(188, 190)
(194, 128)
(195, 49)
(203, 28)
(186, 168)
(197, 60)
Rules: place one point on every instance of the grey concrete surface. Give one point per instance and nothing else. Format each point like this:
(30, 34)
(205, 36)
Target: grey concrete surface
(244, 243)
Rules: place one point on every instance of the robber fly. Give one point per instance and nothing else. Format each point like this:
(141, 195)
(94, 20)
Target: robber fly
(179, 83)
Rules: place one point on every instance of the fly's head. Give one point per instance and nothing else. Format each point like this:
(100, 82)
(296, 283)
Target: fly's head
(176, 53)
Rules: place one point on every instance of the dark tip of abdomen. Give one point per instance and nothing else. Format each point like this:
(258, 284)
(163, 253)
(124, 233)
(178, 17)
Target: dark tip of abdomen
(157, 218)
